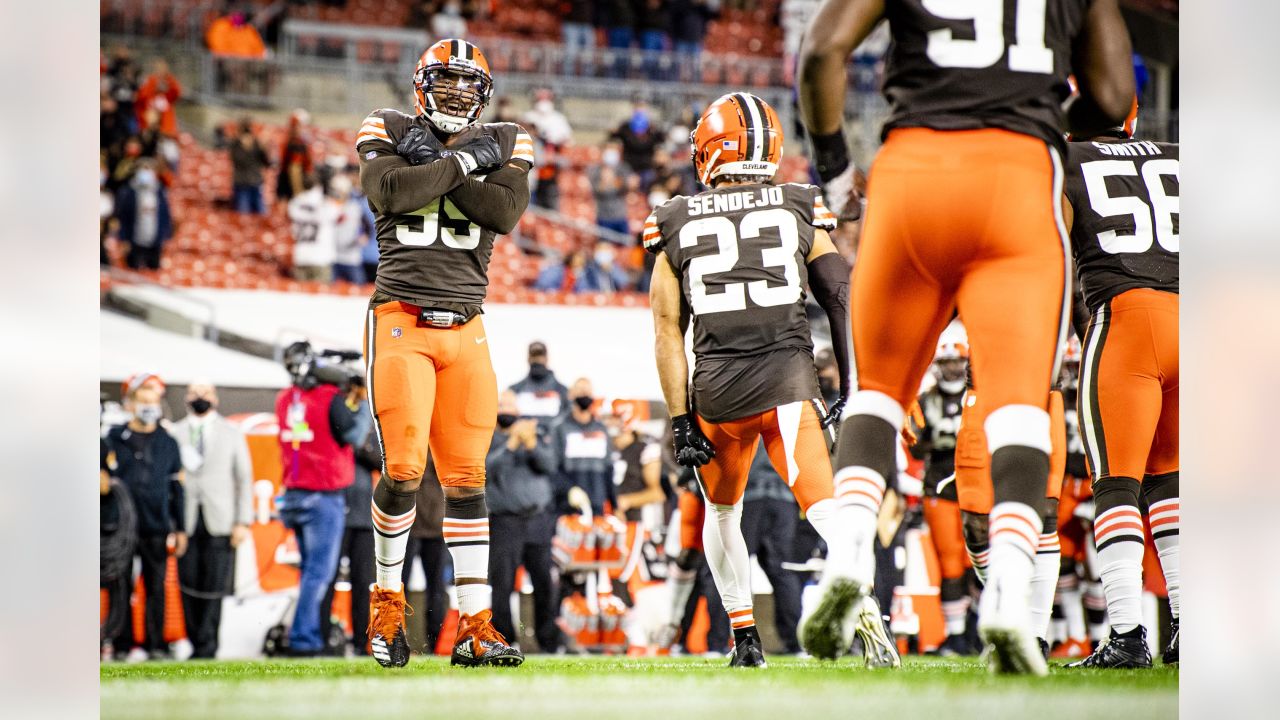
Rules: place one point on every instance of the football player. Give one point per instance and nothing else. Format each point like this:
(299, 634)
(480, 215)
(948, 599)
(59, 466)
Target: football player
(1122, 211)
(734, 260)
(940, 407)
(963, 212)
(442, 186)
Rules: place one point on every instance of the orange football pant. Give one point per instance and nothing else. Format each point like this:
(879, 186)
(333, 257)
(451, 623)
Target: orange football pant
(967, 219)
(430, 388)
(973, 470)
(1129, 386)
(797, 447)
(943, 518)
(692, 514)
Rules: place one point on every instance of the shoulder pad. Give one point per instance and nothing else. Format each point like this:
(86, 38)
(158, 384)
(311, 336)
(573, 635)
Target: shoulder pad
(382, 125)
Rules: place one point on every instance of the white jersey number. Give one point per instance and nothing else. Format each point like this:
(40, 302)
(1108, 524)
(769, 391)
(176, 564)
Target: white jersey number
(733, 296)
(1027, 54)
(1149, 221)
(440, 219)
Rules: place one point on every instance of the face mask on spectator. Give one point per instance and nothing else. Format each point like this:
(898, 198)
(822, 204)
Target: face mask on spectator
(538, 371)
(584, 402)
(148, 414)
(640, 122)
(610, 157)
(544, 106)
(506, 420)
(145, 178)
(604, 256)
(200, 405)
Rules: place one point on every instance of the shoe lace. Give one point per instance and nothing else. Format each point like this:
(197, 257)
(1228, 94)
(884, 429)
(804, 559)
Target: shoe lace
(482, 630)
(390, 609)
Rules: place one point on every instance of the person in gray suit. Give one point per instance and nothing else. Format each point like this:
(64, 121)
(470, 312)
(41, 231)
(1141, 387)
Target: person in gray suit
(219, 509)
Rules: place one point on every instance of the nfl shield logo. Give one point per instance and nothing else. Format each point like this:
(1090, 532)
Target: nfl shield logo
(396, 332)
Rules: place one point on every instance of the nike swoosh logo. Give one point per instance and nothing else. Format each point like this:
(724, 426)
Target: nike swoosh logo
(480, 341)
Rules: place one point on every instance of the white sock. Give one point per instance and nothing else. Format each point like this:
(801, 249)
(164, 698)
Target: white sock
(1072, 606)
(954, 613)
(1165, 519)
(1015, 536)
(681, 582)
(390, 538)
(851, 531)
(979, 559)
(1119, 536)
(468, 543)
(729, 560)
(1044, 580)
(1095, 604)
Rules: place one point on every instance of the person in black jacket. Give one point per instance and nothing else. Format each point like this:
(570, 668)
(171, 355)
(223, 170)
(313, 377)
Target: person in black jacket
(521, 520)
(149, 465)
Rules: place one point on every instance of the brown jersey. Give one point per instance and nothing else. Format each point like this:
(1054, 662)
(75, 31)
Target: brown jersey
(739, 252)
(1124, 198)
(435, 224)
(999, 64)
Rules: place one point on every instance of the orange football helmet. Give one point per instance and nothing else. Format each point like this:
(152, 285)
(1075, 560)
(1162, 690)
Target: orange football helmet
(738, 134)
(452, 84)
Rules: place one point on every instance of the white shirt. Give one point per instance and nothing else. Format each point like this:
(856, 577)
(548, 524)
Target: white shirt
(349, 241)
(315, 221)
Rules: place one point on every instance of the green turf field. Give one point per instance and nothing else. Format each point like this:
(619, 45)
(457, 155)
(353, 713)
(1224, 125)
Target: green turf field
(607, 688)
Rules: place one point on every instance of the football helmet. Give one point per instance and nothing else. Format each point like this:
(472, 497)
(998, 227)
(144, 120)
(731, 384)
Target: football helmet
(452, 85)
(951, 359)
(1130, 126)
(1069, 376)
(738, 134)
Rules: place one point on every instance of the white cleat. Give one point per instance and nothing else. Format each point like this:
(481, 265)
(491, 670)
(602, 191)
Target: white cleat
(827, 632)
(878, 647)
(1004, 623)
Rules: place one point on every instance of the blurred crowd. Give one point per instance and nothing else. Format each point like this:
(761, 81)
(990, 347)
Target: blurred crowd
(183, 488)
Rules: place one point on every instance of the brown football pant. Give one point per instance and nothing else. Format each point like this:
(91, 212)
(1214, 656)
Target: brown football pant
(1129, 386)
(968, 219)
(797, 447)
(430, 387)
(973, 472)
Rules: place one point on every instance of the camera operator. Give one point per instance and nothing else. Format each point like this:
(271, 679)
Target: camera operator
(322, 417)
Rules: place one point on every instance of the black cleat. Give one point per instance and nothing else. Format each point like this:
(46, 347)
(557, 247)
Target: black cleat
(1119, 651)
(748, 652)
(955, 646)
(1170, 656)
(480, 643)
(1044, 648)
(387, 635)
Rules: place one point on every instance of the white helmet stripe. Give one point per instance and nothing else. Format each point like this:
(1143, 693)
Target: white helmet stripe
(757, 127)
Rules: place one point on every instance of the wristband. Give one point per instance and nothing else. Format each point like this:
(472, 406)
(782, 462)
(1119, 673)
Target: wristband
(830, 154)
(467, 162)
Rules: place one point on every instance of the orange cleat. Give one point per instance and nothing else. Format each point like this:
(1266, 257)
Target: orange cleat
(387, 635)
(480, 643)
(1072, 648)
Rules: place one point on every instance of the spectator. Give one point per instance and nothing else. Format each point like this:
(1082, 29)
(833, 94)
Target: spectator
(123, 79)
(426, 542)
(232, 36)
(448, 22)
(315, 230)
(688, 30)
(610, 182)
(126, 162)
(828, 375)
(578, 35)
(219, 510)
(539, 394)
(349, 231)
(549, 123)
(641, 461)
(577, 273)
(604, 273)
(160, 92)
(639, 140)
(113, 127)
(503, 112)
(149, 464)
(248, 161)
(142, 208)
(619, 20)
(106, 210)
(521, 521)
(319, 426)
(295, 158)
(670, 178)
(769, 520)
(118, 533)
(583, 456)
(369, 253)
(357, 539)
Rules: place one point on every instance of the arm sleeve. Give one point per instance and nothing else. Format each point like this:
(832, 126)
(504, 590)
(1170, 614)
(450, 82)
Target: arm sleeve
(395, 187)
(829, 281)
(243, 467)
(342, 422)
(497, 203)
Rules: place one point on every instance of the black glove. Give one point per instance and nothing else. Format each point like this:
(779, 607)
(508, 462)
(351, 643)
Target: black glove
(420, 146)
(693, 449)
(833, 413)
(482, 153)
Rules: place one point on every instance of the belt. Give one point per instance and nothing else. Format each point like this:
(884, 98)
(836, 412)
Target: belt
(437, 318)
